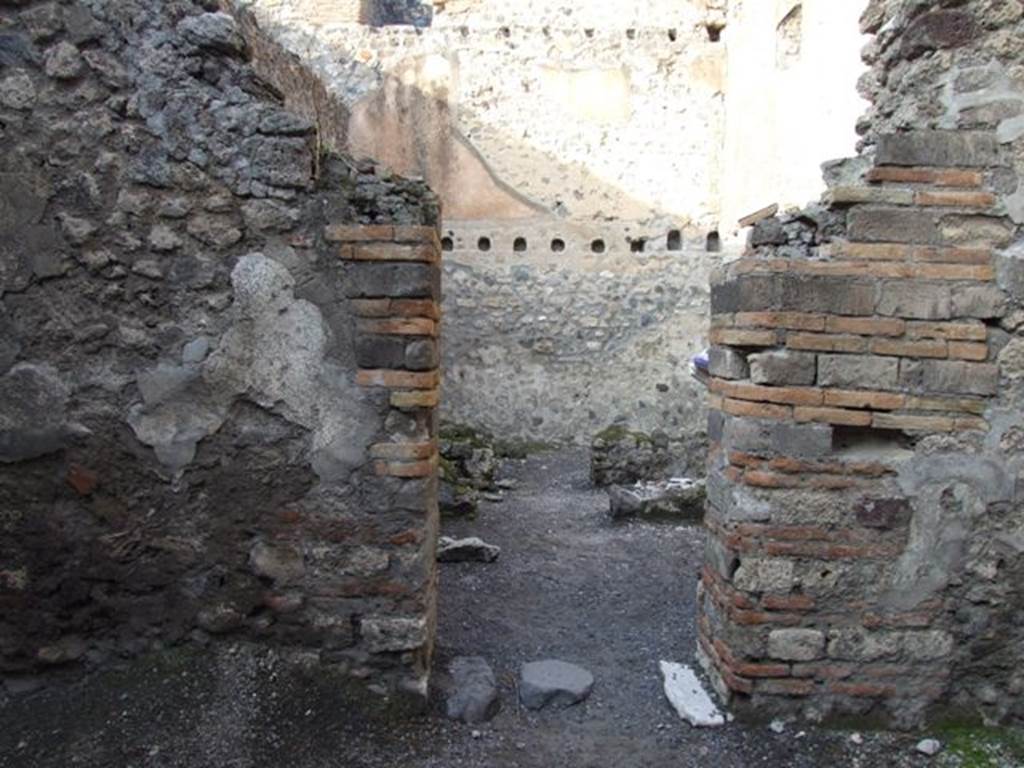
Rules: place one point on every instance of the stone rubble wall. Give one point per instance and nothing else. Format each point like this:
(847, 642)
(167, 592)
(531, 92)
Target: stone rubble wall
(865, 504)
(215, 417)
(554, 347)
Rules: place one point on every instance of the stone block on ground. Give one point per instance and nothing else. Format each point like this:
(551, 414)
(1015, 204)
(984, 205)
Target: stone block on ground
(553, 683)
(688, 697)
(471, 550)
(474, 691)
(678, 498)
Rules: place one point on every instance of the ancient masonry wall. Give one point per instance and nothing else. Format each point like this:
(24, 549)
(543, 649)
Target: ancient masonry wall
(218, 359)
(580, 148)
(550, 346)
(543, 290)
(865, 498)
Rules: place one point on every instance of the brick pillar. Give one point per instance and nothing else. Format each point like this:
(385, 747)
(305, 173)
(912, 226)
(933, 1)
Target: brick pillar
(835, 360)
(393, 277)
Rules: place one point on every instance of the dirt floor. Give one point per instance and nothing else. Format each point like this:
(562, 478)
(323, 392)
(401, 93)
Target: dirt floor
(569, 584)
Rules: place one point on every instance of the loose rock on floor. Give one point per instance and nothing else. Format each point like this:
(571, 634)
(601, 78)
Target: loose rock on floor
(474, 691)
(553, 683)
(469, 550)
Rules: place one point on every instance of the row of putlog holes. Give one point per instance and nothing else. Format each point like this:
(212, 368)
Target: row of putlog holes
(674, 242)
(714, 32)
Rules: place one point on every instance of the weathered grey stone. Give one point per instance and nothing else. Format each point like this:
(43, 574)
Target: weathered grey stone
(195, 351)
(44, 21)
(858, 371)
(721, 559)
(217, 231)
(474, 694)
(148, 268)
(938, 148)
(976, 231)
(553, 683)
(457, 501)
(77, 230)
(727, 363)
(23, 200)
(927, 645)
(469, 550)
(928, 747)
(270, 216)
(391, 634)
(280, 161)
(216, 32)
(405, 281)
(949, 376)
(422, 355)
(675, 498)
(772, 437)
(771, 575)
(10, 346)
(64, 62)
(783, 367)
(939, 29)
(915, 300)
(220, 619)
(862, 645)
(363, 562)
(81, 25)
(17, 91)
(768, 232)
(280, 563)
(374, 351)
(983, 302)
(16, 51)
(893, 225)
(65, 650)
(164, 239)
(281, 123)
(796, 644)
(33, 401)
(841, 296)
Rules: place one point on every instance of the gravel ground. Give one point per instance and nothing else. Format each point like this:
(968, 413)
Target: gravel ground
(613, 598)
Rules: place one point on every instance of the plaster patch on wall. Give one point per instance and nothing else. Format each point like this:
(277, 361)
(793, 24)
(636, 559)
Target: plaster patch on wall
(274, 354)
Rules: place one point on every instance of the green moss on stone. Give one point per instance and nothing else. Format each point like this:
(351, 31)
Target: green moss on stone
(618, 434)
(975, 746)
(463, 433)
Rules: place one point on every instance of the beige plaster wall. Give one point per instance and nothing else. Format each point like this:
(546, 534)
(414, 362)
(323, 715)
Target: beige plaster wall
(787, 111)
(594, 110)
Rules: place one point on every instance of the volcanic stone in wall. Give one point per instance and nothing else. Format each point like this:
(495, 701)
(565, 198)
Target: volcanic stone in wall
(620, 456)
(182, 440)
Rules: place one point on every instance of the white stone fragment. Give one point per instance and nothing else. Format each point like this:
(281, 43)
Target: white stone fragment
(688, 697)
(929, 747)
